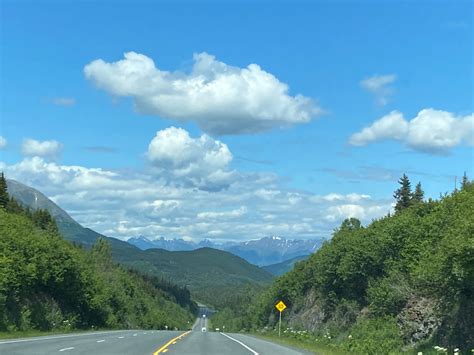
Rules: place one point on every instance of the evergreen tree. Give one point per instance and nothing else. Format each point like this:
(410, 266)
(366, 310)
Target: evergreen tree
(465, 181)
(14, 207)
(419, 194)
(102, 250)
(4, 198)
(350, 224)
(43, 219)
(403, 194)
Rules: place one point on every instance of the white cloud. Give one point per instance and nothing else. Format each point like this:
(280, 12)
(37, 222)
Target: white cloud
(364, 213)
(50, 149)
(220, 98)
(201, 162)
(63, 101)
(431, 131)
(379, 85)
(3, 142)
(122, 204)
(439, 131)
(226, 214)
(391, 126)
(353, 197)
(266, 194)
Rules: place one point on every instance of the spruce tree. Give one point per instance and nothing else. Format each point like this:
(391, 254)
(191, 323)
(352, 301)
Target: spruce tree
(419, 194)
(403, 194)
(465, 182)
(4, 198)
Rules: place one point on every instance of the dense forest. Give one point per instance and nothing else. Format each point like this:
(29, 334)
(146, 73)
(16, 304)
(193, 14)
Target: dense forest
(48, 283)
(406, 281)
(214, 277)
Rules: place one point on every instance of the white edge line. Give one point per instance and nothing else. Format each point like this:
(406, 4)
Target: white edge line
(100, 341)
(237, 341)
(57, 337)
(66, 349)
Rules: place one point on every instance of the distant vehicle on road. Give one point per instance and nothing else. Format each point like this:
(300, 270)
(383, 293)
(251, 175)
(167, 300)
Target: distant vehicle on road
(203, 329)
(217, 329)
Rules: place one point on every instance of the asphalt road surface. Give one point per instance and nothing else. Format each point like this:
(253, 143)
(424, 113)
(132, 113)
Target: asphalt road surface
(146, 342)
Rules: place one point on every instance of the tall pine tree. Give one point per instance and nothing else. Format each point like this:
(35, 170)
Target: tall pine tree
(4, 198)
(419, 194)
(403, 194)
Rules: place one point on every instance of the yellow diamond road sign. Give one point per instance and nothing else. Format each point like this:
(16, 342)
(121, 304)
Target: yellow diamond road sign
(280, 306)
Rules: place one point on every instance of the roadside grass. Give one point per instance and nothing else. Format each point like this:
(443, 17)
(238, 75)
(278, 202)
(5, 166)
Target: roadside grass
(36, 333)
(310, 345)
(301, 344)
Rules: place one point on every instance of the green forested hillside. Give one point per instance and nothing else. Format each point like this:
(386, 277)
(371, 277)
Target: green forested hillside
(48, 283)
(213, 276)
(405, 280)
(285, 266)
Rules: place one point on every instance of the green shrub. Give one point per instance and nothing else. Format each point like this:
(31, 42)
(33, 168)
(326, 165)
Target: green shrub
(374, 336)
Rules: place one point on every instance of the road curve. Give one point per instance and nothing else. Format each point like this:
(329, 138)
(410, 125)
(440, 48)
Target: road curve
(145, 342)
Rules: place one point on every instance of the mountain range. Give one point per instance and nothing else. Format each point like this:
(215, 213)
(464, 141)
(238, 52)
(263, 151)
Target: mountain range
(262, 252)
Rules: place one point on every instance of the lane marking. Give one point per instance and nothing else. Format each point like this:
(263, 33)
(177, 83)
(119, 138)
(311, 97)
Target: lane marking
(164, 349)
(57, 337)
(121, 337)
(100, 341)
(135, 334)
(66, 349)
(239, 342)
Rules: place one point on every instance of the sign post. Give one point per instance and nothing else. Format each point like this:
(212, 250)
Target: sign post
(281, 307)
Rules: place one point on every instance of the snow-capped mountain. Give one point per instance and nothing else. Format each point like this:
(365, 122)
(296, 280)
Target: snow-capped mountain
(264, 251)
(272, 250)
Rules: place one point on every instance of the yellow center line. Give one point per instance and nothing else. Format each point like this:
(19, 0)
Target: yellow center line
(164, 349)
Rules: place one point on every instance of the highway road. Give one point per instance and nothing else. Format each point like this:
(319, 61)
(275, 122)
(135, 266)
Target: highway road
(146, 342)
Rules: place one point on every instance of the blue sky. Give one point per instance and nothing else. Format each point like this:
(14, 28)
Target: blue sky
(356, 62)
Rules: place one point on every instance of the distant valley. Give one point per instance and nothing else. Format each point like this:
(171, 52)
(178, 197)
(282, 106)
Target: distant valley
(262, 252)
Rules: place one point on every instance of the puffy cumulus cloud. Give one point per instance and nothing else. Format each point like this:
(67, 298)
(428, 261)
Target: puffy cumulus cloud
(3, 142)
(201, 162)
(391, 126)
(220, 98)
(122, 204)
(431, 131)
(380, 86)
(48, 149)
